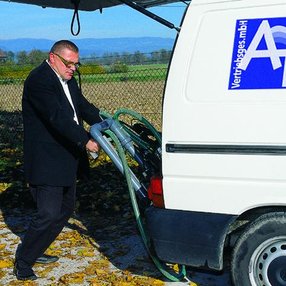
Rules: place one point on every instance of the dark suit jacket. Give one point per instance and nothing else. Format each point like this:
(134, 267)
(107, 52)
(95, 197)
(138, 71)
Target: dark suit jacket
(53, 142)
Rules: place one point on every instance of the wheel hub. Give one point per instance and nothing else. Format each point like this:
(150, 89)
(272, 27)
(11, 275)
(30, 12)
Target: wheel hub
(268, 263)
(277, 271)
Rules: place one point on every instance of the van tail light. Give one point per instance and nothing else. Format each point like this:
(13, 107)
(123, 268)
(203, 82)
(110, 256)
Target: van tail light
(155, 192)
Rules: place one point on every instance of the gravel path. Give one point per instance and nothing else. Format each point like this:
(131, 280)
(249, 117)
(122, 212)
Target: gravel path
(99, 246)
(90, 254)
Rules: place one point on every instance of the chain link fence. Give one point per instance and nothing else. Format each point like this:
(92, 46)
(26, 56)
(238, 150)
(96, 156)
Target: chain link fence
(140, 89)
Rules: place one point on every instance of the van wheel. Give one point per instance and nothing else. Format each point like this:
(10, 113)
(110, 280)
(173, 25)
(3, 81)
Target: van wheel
(259, 255)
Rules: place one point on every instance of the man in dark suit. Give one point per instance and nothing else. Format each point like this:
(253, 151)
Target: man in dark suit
(55, 145)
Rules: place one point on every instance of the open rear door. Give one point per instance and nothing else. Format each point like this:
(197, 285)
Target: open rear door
(92, 5)
(89, 5)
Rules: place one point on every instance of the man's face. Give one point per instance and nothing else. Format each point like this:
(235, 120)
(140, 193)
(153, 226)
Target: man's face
(64, 63)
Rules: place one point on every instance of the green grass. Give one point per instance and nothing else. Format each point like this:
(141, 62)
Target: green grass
(11, 74)
(135, 73)
(147, 67)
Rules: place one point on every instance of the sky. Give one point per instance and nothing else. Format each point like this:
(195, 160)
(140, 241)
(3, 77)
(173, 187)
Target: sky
(30, 21)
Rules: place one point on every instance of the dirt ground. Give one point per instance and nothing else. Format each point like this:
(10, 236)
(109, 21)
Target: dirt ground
(99, 246)
(112, 255)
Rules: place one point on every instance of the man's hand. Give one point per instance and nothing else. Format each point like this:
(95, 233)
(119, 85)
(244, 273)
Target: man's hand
(92, 146)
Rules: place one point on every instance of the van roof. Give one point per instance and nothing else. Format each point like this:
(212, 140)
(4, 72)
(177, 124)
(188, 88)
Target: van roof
(90, 5)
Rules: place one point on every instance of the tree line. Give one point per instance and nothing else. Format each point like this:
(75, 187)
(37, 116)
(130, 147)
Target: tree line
(35, 57)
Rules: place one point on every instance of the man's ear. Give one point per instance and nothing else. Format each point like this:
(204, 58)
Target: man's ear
(51, 58)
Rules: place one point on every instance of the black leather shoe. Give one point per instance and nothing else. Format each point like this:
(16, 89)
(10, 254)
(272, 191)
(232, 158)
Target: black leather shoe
(24, 273)
(45, 259)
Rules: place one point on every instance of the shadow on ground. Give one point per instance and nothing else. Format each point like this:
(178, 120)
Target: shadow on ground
(103, 219)
(103, 209)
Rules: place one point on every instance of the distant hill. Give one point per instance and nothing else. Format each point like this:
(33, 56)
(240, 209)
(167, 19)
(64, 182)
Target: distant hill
(95, 47)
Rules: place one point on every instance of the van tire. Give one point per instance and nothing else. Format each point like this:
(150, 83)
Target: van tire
(259, 255)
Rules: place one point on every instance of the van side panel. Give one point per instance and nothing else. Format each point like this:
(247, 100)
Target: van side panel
(224, 118)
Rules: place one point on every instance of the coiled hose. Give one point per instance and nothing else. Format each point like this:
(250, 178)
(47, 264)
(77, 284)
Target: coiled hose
(162, 267)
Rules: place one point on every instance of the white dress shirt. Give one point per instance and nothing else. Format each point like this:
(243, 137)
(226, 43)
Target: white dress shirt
(67, 93)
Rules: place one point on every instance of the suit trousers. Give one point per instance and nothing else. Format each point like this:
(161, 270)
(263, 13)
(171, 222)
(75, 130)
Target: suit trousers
(55, 206)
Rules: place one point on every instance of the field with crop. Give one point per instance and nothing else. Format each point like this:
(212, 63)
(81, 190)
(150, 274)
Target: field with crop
(143, 97)
(139, 89)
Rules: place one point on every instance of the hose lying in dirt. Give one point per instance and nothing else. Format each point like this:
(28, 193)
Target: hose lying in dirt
(129, 175)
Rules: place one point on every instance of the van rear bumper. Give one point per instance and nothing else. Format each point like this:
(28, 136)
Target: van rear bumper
(190, 238)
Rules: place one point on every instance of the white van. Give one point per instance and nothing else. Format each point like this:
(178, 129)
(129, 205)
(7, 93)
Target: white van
(223, 140)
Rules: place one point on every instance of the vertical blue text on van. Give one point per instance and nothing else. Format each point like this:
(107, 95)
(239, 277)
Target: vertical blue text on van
(259, 53)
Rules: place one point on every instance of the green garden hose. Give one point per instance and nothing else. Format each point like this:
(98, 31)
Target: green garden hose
(141, 119)
(146, 240)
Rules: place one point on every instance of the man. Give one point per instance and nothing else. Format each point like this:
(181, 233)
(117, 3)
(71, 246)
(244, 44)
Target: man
(55, 145)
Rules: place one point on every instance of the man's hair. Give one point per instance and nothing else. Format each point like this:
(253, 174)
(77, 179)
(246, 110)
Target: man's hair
(63, 44)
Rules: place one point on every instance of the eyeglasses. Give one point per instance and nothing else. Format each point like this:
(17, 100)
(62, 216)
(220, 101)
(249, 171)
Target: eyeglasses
(68, 64)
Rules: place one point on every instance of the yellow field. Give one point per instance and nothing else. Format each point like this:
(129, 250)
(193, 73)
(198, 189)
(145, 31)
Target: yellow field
(142, 97)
